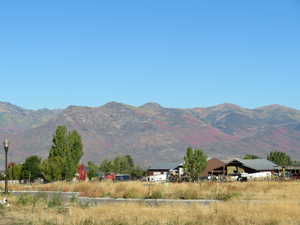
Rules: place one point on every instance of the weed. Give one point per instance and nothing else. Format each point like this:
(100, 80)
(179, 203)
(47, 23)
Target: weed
(73, 199)
(156, 194)
(47, 222)
(87, 222)
(55, 201)
(226, 196)
(24, 199)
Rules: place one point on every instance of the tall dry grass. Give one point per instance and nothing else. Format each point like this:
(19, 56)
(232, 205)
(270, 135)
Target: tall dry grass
(259, 190)
(227, 213)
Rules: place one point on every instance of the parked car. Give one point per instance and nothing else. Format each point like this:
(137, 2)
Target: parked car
(122, 177)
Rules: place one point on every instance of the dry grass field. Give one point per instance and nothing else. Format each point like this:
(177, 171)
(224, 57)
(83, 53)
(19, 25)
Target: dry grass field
(280, 205)
(260, 190)
(28, 210)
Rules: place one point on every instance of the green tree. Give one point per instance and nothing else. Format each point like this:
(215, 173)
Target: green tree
(137, 172)
(195, 161)
(52, 169)
(14, 171)
(67, 149)
(249, 156)
(31, 169)
(280, 158)
(60, 145)
(122, 164)
(76, 147)
(93, 170)
(106, 166)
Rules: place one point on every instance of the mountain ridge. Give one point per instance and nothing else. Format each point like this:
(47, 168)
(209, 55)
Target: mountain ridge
(151, 132)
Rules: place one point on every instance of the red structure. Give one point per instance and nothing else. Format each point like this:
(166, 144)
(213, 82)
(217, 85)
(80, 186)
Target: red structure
(111, 176)
(82, 173)
(12, 164)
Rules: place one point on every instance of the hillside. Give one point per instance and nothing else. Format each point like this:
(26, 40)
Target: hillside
(154, 133)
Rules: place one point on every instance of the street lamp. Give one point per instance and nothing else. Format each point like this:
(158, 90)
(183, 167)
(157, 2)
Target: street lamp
(6, 146)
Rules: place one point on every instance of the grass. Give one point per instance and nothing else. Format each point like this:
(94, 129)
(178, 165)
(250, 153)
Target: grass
(226, 213)
(42, 210)
(259, 190)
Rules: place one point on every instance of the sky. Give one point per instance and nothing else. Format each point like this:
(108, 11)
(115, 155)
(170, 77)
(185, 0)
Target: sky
(177, 53)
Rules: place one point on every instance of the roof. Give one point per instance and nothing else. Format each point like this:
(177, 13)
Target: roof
(165, 166)
(258, 164)
(212, 163)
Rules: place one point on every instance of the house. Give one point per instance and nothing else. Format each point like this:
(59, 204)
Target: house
(161, 171)
(175, 171)
(239, 166)
(214, 167)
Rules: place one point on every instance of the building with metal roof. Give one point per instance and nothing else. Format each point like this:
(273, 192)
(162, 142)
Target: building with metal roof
(250, 166)
(165, 166)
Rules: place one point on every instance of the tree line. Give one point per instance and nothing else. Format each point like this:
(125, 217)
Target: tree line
(64, 159)
(61, 163)
(279, 158)
(120, 165)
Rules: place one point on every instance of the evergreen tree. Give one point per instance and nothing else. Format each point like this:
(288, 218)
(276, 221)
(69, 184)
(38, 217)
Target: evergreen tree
(195, 162)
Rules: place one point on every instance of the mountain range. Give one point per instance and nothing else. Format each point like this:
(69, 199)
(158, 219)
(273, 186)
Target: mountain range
(152, 133)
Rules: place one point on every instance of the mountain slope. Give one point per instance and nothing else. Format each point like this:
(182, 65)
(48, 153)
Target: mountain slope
(154, 133)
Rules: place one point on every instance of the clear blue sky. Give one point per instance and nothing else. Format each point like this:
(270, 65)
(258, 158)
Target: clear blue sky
(178, 53)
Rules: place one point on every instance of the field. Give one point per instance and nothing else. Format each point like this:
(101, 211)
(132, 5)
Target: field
(275, 203)
(264, 190)
(27, 210)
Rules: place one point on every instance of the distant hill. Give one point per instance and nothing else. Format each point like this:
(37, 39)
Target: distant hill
(153, 133)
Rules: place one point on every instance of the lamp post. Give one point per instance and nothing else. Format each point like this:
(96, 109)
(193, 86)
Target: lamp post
(6, 146)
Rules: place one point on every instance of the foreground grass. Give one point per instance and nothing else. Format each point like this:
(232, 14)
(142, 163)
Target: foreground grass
(260, 190)
(26, 210)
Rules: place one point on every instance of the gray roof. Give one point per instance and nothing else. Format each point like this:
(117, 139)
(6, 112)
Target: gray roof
(258, 164)
(165, 166)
